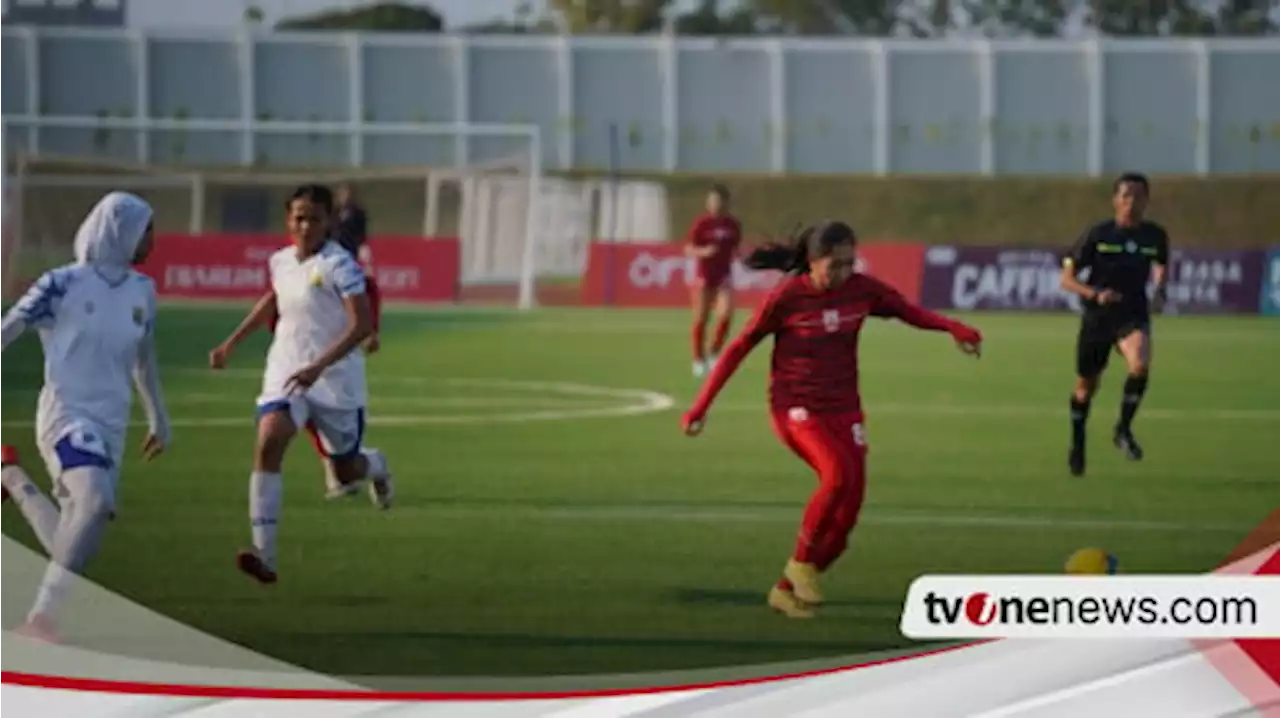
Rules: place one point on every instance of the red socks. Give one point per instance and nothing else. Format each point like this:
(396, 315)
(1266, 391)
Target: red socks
(721, 336)
(699, 340)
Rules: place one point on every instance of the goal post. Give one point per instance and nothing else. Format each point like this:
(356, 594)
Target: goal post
(489, 193)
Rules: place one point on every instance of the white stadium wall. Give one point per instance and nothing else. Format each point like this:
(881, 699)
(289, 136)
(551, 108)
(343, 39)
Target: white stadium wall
(751, 105)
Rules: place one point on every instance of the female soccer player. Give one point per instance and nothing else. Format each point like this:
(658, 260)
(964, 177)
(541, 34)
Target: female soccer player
(1121, 255)
(314, 371)
(96, 321)
(713, 241)
(355, 243)
(816, 316)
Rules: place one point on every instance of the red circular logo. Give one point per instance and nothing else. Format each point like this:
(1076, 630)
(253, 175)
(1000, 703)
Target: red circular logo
(980, 609)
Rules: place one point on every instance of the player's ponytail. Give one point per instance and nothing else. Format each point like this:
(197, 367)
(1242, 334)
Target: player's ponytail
(812, 242)
(790, 255)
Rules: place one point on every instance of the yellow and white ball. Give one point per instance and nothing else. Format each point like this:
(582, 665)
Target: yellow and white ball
(1092, 562)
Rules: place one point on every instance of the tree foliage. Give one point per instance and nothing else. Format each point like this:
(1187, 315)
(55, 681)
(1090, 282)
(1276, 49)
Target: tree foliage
(380, 17)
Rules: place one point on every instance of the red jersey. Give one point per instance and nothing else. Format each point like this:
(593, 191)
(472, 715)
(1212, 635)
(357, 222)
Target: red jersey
(816, 333)
(722, 232)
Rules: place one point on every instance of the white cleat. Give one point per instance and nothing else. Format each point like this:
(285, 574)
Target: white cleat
(699, 369)
(333, 492)
(381, 491)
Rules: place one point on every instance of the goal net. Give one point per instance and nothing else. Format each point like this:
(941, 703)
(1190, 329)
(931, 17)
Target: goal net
(480, 184)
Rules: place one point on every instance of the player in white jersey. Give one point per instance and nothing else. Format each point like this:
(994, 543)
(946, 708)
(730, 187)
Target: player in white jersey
(96, 321)
(314, 372)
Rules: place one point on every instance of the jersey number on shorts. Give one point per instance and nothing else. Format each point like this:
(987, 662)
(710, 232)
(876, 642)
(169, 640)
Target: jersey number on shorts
(859, 435)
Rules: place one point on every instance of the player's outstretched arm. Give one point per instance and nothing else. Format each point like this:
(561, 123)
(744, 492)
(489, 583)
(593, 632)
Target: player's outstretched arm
(762, 324)
(37, 308)
(262, 311)
(893, 304)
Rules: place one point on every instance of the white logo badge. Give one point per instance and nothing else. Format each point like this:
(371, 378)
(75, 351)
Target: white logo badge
(831, 319)
(1130, 247)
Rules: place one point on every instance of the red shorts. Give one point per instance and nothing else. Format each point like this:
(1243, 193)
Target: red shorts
(712, 282)
(821, 439)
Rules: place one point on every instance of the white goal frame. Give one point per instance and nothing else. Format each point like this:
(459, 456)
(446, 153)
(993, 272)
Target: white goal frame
(462, 132)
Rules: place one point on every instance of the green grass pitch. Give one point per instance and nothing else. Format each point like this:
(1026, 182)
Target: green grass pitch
(551, 519)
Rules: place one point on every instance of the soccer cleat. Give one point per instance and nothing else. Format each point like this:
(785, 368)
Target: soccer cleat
(804, 581)
(39, 628)
(341, 491)
(250, 563)
(1127, 444)
(1075, 460)
(8, 457)
(786, 603)
(381, 491)
(699, 369)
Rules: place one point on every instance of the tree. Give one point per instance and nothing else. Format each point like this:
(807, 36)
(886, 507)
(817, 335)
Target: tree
(626, 17)
(828, 17)
(1247, 17)
(1036, 18)
(707, 20)
(382, 17)
(1150, 18)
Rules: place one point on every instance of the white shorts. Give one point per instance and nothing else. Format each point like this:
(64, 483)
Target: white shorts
(341, 431)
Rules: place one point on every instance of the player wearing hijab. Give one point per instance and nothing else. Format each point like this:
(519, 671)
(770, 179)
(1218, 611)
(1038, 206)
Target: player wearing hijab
(96, 322)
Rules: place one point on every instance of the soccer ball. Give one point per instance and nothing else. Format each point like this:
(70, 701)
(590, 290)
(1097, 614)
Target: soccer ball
(1092, 562)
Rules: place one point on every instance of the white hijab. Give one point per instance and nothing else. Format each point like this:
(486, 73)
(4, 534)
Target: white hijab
(110, 234)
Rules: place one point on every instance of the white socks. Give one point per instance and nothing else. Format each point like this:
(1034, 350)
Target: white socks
(84, 518)
(36, 508)
(265, 493)
(376, 464)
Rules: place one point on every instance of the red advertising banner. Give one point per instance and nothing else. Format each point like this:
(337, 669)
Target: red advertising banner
(660, 275)
(234, 266)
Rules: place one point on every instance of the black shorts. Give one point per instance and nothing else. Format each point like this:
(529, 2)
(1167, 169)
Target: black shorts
(1099, 333)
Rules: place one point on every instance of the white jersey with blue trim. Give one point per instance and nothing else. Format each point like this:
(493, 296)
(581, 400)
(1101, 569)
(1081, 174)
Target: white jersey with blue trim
(91, 328)
(311, 298)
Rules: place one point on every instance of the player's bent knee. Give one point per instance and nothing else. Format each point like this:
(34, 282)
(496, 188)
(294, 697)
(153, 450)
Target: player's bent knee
(92, 491)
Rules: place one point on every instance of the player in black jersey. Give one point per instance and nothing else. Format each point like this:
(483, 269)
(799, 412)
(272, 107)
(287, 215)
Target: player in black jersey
(1110, 267)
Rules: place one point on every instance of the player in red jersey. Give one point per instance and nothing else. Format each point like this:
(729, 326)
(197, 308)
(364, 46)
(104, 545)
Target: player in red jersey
(355, 243)
(816, 316)
(713, 241)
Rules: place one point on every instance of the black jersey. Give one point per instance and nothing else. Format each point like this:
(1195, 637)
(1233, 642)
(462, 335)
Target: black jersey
(1120, 258)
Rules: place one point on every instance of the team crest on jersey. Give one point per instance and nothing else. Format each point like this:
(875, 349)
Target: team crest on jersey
(831, 320)
(317, 280)
(139, 315)
(1130, 246)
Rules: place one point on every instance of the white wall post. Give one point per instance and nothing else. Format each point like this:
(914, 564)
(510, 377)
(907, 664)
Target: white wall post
(355, 97)
(248, 97)
(883, 122)
(461, 98)
(778, 106)
(987, 106)
(564, 102)
(1097, 73)
(32, 47)
(142, 93)
(1204, 108)
(670, 64)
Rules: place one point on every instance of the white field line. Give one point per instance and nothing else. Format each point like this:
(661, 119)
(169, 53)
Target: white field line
(695, 513)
